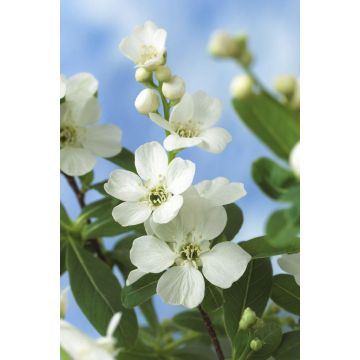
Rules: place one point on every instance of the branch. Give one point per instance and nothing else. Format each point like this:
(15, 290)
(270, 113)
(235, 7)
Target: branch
(212, 333)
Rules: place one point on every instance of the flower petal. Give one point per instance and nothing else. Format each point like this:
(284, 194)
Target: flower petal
(159, 40)
(131, 48)
(168, 210)
(180, 175)
(220, 191)
(151, 255)
(113, 324)
(173, 231)
(207, 109)
(182, 285)
(175, 142)
(76, 161)
(151, 161)
(157, 119)
(214, 140)
(87, 113)
(224, 264)
(290, 263)
(182, 112)
(134, 275)
(125, 185)
(81, 86)
(131, 213)
(102, 140)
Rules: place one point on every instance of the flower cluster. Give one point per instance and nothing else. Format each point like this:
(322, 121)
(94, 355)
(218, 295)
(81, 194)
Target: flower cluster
(182, 221)
(81, 138)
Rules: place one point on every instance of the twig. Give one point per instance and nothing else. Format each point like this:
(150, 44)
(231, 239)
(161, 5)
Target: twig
(212, 333)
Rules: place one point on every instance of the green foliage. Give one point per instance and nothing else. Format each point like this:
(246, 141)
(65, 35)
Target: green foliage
(86, 180)
(121, 254)
(148, 310)
(259, 247)
(190, 320)
(213, 299)
(98, 294)
(285, 292)
(125, 159)
(251, 290)
(140, 291)
(271, 122)
(234, 222)
(289, 348)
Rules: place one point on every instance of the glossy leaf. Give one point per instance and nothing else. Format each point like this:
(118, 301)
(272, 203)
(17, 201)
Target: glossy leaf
(289, 348)
(105, 226)
(140, 291)
(120, 254)
(196, 351)
(270, 121)
(251, 290)
(260, 248)
(148, 310)
(190, 320)
(98, 294)
(213, 298)
(125, 159)
(99, 209)
(274, 180)
(285, 292)
(235, 220)
(86, 180)
(63, 250)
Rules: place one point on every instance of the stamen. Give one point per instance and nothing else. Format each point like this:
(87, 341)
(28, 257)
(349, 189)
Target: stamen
(148, 53)
(67, 135)
(186, 132)
(158, 195)
(190, 252)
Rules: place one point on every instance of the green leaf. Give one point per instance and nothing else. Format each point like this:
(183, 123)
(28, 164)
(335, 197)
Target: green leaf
(273, 180)
(213, 298)
(98, 209)
(125, 159)
(140, 291)
(251, 290)
(148, 310)
(270, 121)
(282, 227)
(260, 248)
(65, 220)
(270, 334)
(194, 351)
(63, 250)
(234, 221)
(105, 226)
(86, 180)
(99, 187)
(98, 294)
(190, 320)
(285, 292)
(121, 254)
(64, 355)
(289, 348)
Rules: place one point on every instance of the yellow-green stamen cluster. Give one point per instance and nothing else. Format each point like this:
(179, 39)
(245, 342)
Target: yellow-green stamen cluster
(158, 196)
(190, 252)
(67, 135)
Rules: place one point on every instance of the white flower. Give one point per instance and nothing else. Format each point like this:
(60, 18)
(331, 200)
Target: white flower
(163, 73)
(182, 248)
(147, 101)
(81, 347)
(156, 191)
(191, 122)
(174, 89)
(81, 139)
(222, 44)
(134, 275)
(145, 46)
(290, 263)
(241, 86)
(294, 159)
(63, 302)
(285, 84)
(220, 191)
(142, 75)
(79, 87)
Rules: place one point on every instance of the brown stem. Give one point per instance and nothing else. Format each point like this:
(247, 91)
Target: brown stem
(81, 200)
(212, 333)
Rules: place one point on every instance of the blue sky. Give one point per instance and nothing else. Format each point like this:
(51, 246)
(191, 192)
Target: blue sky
(90, 34)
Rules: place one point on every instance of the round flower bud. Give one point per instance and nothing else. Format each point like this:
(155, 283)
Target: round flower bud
(142, 75)
(241, 86)
(163, 73)
(147, 101)
(249, 316)
(256, 344)
(221, 44)
(286, 85)
(174, 89)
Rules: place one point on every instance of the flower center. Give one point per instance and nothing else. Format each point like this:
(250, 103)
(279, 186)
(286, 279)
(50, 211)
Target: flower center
(186, 132)
(148, 53)
(190, 252)
(67, 135)
(158, 195)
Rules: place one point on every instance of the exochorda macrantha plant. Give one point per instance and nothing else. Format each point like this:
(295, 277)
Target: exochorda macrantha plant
(175, 235)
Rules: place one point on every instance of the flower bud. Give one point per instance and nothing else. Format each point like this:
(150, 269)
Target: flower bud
(241, 86)
(241, 42)
(174, 89)
(256, 344)
(294, 159)
(163, 73)
(147, 101)
(221, 44)
(286, 85)
(248, 319)
(142, 75)
(246, 58)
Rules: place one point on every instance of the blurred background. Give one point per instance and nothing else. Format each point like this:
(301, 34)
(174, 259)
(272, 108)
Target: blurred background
(90, 34)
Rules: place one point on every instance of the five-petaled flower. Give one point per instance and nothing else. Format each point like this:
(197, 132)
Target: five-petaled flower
(81, 139)
(191, 122)
(81, 347)
(155, 192)
(145, 46)
(182, 249)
